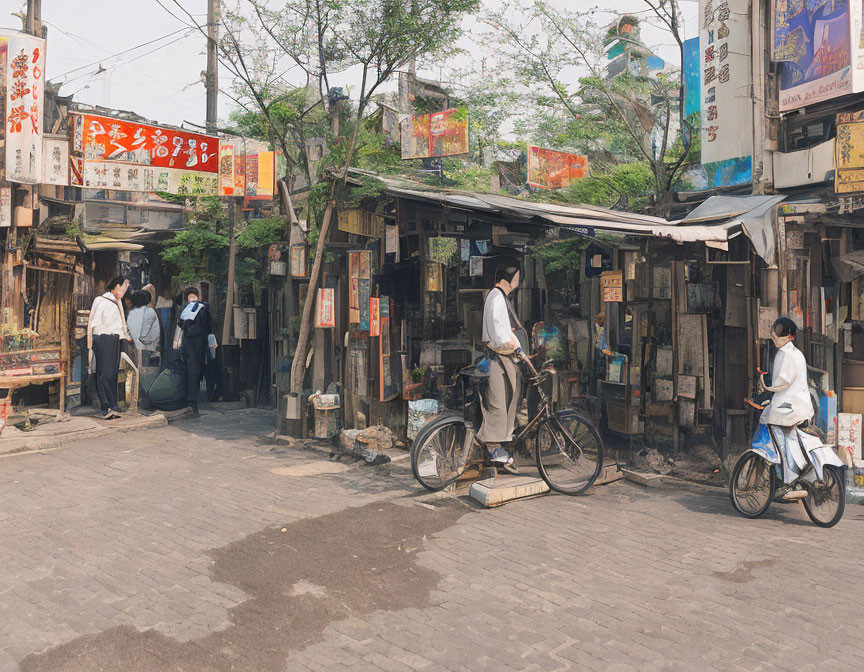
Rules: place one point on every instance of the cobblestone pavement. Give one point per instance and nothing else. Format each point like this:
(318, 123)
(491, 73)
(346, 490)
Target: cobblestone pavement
(198, 547)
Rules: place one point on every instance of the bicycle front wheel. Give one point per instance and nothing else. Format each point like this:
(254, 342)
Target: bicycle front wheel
(826, 499)
(438, 453)
(752, 485)
(569, 453)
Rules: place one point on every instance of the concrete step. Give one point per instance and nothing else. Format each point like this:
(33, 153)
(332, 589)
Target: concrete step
(505, 488)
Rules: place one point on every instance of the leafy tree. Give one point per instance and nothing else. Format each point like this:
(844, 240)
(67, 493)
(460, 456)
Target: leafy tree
(317, 39)
(626, 118)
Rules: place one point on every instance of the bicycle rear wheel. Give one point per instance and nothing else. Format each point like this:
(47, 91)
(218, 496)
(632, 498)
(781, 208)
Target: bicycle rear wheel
(569, 453)
(752, 485)
(826, 502)
(437, 454)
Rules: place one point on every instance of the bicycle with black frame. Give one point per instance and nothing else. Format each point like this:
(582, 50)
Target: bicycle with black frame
(567, 447)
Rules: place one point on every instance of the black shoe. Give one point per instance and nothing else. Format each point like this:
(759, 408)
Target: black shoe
(195, 412)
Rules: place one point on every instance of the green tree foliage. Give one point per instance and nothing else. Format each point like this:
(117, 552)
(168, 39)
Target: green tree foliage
(189, 251)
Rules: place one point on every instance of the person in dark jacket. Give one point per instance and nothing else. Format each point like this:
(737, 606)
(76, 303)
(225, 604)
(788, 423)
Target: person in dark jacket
(195, 341)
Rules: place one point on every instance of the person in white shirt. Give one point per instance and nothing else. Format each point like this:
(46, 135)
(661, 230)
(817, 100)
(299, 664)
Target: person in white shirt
(791, 403)
(500, 400)
(143, 323)
(105, 329)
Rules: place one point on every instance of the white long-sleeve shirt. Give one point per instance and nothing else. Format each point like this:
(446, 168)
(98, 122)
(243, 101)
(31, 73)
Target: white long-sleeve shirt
(143, 326)
(497, 332)
(791, 401)
(106, 317)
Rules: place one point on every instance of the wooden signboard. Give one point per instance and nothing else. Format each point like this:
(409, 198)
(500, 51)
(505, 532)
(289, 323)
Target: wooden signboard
(361, 223)
(612, 286)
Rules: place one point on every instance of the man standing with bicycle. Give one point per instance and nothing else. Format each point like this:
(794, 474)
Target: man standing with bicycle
(501, 335)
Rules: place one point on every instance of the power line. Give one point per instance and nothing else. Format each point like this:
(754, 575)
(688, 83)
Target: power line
(125, 51)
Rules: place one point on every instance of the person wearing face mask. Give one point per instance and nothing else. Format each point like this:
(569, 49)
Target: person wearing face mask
(501, 335)
(196, 343)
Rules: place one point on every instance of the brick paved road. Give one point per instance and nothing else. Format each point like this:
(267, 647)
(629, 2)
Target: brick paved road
(164, 550)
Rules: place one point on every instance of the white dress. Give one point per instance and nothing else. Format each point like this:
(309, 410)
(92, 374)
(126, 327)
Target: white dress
(791, 401)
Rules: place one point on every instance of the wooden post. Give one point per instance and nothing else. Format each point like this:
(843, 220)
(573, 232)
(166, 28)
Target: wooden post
(227, 322)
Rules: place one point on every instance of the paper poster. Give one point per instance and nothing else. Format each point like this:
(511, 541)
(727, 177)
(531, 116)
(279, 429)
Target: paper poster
(433, 277)
(5, 207)
(297, 258)
(325, 315)
(374, 317)
(391, 240)
(55, 161)
(226, 169)
(437, 134)
(363, 295)
(464, 249)
(25, 94)
(131, 156)
(727, 114)
(550, 169)
(476, 267)
(354, 301)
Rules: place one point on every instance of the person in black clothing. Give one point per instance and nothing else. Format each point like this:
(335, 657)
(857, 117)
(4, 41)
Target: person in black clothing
(195, 342)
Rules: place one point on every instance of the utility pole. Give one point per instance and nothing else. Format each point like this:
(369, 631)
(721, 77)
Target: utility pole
(33, 22)
(212, 77)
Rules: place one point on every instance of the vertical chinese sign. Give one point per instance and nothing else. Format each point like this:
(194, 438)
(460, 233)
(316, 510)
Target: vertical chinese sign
(325, 313)
(131, 156)
(25, 88)
(849, 153)
(727, 112)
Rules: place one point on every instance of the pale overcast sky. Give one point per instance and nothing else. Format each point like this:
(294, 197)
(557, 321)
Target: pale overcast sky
(161, 80)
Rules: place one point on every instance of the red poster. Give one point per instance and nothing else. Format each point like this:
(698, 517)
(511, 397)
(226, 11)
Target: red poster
(549, 169)
(325, 315)
(374, 317)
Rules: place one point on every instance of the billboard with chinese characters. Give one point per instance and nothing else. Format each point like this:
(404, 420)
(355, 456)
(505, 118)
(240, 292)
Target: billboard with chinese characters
(132, 156)
(550, 169)
(726, 106)
(813, 44)
(23, 60)
(437, 134)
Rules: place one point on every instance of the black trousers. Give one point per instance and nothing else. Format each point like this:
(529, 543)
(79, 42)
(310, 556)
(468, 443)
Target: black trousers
(192, 350)
(106, 350)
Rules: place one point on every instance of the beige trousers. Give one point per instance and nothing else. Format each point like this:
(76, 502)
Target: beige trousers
(499, 401)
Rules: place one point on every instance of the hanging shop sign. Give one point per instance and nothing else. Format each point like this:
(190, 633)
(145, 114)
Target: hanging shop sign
(361, 223)
(550, 169)
(814, 44)
(260, 176)
(727, 112)
(131, 156)
(325, 314)
(298, 261)
(24, 72)
(437, 134)
(612, 287)
(849, 153)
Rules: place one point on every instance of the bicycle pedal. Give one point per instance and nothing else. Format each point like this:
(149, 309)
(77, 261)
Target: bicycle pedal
(507, 468)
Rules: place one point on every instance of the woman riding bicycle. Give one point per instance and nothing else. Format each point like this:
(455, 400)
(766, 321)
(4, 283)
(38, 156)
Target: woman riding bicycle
(791, 404)
(501, 335)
